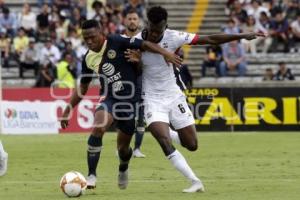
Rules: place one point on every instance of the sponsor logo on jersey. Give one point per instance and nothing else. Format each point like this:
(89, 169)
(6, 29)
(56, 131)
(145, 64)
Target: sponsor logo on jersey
(149, 115)
(111, 54)
(117, 86)
(108, 69)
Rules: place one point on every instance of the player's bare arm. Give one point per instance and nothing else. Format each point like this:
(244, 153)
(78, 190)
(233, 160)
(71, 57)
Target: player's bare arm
(75, 99)
(155, 48)
(224, 38)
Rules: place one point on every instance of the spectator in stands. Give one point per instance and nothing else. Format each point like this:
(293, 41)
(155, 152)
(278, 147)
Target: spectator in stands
(46, 76)
(284, 73)
(9, 22)
(231, 27)
(136, 5)
(292, 10)
(249, 27)
(234, 59)
(2, 4)
(262, 25)
(66, 72)
(29, 58)
(20, 43)
(238, 12)
(74, 38)
(69, 50)
(279, 30)
(63, 5)
(256, 9)
(43, 23)
(77, 18)
(43, 18)
(49, 53)
(99, 10)
(212, 59)
(4, 47)
(62, 27)
(296, 32)
(27, 20)
(269, 76)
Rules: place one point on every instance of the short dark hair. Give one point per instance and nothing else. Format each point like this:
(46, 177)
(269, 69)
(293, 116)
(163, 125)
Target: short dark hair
(97, 3)
(156, 14)
(91, 23)
(131, 11)
(281, 63)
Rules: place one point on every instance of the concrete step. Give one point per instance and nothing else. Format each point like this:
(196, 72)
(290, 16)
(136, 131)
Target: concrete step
(19, 82)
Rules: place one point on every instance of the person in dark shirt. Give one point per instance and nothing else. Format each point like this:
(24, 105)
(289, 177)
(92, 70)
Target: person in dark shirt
(212, 58)
(118, 79)
(279, 30)
(284, 73)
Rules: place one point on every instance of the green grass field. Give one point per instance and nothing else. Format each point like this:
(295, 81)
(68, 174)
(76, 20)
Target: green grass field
(233, 166)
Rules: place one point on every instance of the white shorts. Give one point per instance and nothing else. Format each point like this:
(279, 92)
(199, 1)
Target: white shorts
(169, 110)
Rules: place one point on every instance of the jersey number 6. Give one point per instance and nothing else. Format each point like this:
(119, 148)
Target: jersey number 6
(181, 108)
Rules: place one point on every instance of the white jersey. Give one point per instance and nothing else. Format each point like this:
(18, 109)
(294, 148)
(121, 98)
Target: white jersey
(158, 77)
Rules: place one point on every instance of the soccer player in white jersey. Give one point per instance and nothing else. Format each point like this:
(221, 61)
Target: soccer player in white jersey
(164, 102)
(3, 160)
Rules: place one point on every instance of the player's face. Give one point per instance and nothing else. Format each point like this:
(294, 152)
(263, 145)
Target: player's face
(156, 31)
(93, 39)
(132, 22)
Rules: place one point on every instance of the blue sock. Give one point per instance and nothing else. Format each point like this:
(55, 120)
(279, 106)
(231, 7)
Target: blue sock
(93, 153)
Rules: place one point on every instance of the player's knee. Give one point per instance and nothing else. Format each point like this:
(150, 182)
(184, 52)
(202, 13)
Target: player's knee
(193, 146)
(98, 131)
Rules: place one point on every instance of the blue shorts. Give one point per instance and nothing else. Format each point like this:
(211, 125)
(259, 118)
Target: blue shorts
(123, 112)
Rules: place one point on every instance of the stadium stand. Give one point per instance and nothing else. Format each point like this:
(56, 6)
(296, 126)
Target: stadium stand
(204, 17)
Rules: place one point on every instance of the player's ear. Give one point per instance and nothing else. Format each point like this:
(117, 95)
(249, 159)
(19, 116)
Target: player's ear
(144, 34)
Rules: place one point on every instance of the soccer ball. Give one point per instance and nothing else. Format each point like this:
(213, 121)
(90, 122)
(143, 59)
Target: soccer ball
(73, 184)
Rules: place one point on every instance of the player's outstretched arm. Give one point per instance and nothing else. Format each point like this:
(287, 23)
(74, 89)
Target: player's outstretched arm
(223, 38)
(75, 99)
(155, 48)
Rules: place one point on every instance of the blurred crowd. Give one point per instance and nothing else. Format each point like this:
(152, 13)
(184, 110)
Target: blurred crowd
(279, 19)
(51, 37)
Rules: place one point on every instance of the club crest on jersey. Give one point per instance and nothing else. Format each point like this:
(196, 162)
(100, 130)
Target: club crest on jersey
(132, 40)
(111, 54)
(108, 69)
(165, 45)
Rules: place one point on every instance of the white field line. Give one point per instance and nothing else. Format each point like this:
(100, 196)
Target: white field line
(155, 181)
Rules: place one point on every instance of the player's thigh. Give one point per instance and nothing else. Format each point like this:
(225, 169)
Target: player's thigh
(155, 111)
(103, 119)
(188, 137)
(180, 115)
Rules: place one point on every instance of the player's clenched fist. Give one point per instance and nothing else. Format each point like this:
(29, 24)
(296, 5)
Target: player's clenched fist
(64, 122)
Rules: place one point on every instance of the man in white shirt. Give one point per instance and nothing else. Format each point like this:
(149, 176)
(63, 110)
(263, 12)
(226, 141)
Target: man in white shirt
(164, 102)
(49, 53)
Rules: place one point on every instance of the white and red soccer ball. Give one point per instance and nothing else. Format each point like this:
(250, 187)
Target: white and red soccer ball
(73, 184)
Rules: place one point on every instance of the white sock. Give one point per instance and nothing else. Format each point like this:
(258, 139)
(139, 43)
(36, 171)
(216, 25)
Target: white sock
(174, 136)
(1, 148)
(179, 162)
